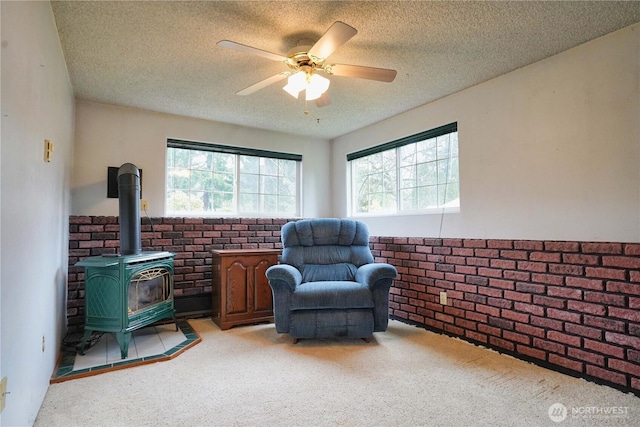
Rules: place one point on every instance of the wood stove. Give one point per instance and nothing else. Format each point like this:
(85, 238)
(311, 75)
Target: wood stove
(126, 293)
(132, 289)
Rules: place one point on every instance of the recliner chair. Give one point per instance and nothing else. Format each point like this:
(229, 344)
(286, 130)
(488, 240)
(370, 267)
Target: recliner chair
(327, 284)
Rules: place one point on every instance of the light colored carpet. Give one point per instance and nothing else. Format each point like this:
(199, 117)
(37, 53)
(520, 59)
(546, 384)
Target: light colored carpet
(252, 376)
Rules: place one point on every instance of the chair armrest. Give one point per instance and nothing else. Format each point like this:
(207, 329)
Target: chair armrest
(369, 274)
(284, 273)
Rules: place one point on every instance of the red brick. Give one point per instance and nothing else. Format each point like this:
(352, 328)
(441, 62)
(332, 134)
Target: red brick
(632, 249)
(607, 375)
(531, 352)
(564, 315)
(503, 264)
(475, 243)
(544, 322)
(500, 244)
(605, 298)
(564, 338)
(491, 330)
(497, 293)
(530, 330)
(561, 292)
(548, 279)
(604, 323)
(531, 288)
(518, 296)
(522, 276)
(634, 303)
(629, 368)
(513, 254)
(490, 272)
(514, 315)
(476, 317)
(487, 253)
(622, 313)
(605, 273)
(502, 284)
(561, 246)
(476, 336)
(623, 288)
(455, 260)
(529, 308)
(581, 259)
(501, 343)
(545, 256)
(528, 245)
(580, 282)
(621, 261)
(604, 348)
(513, 336)
(466, 324)
(584, 307)
(491, 311)
(566, 363)
(634, 276)
(540, 267)
(584, 331)
(548, 301)
(566, 269)
(462, 252)
(480, 262)
(602, 248)
(463, 269)
(586, 356)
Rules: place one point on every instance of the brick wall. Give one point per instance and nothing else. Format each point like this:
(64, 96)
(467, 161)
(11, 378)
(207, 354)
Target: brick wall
(190, 239)
(571, 306)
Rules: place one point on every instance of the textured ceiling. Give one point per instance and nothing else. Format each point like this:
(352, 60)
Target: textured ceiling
(162, 55)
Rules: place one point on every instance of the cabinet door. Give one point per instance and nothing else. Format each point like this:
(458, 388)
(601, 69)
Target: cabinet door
(263, 300)
(237, 287)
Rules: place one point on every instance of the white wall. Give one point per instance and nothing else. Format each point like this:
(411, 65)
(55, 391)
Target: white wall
(108, 135)
(37, 104)
(549, 151)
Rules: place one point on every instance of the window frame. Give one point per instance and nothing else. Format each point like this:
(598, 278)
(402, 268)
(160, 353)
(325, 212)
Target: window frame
(397, 145)
(237, 152)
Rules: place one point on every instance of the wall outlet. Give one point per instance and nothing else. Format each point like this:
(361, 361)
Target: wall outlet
(144, 205)
(3, 392)
(443, 298)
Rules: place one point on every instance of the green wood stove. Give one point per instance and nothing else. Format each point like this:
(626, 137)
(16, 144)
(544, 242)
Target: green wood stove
(127, 292)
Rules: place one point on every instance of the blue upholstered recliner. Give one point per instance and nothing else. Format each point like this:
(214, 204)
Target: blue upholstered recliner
(327, 284)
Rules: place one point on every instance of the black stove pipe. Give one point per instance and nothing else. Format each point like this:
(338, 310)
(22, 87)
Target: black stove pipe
(129, 201)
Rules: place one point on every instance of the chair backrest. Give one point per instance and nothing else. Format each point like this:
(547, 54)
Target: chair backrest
(326, 248)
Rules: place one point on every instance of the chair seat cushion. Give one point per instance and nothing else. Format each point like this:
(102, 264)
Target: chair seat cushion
(331, 294)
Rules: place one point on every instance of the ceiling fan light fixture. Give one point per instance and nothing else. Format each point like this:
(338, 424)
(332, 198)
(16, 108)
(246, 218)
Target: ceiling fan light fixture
(313, 85)
(296, 83)
(316, 86)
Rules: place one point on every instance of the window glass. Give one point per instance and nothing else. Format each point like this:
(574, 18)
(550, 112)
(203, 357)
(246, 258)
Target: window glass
(210, 182)
(412, 174)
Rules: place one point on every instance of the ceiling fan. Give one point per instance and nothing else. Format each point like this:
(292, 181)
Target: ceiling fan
(305, 61)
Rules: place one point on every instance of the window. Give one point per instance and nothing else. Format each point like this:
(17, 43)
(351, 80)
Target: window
(209, 179)
(413, 174)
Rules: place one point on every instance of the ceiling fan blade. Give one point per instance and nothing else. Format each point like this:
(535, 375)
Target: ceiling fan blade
(262, 84)
(323, 101)
(337, 35)
(248, 49)
(379, 74)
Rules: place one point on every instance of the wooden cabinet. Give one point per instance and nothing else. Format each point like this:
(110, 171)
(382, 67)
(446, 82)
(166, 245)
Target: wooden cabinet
(240, 289)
